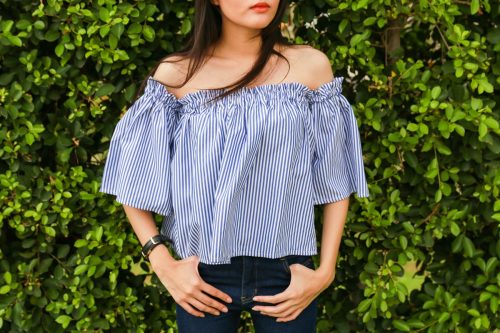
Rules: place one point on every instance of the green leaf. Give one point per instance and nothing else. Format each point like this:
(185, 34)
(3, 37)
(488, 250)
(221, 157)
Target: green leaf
(468, 247)
(476, 103)
(483, 129)
(349, 242)
(412, 127)
(105, 90)
(148, 33)
(401, 325)
(403, 242)
(455, 229)
(364, 305)
(50, 231)
(360, 4)
(491, 123)
(457, 244)
(117, 30)
(29, 138)
(474, 6)
(52, 35)
(473, 312)
(81, 243)
(22, 24)
(370, 21)
(343, 25)
(104, 14)
(185, 26)
(491, 265)
(408, 227)
(59, 50)
(4, 289)
(460, 130)
(80, 269)
(104, 30)
(98, 233)
(371, 267)
(484, 296)
(436, 92)
(383, 306)
(443, 317)
(134, 28)
(64, 320)
(438, 195)
(39, 25)
(443, 149)
(113, 41)
(15, 40)
(494, 304)
(7, 276)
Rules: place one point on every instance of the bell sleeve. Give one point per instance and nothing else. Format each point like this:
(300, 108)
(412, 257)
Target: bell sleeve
(337, 167)
(137, 167)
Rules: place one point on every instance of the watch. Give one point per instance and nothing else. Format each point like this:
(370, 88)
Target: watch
(151, 244)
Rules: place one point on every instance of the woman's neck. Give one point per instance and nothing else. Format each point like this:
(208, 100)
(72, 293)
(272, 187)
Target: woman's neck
(237, 42)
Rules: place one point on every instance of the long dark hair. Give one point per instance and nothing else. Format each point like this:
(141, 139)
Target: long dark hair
(206, 31)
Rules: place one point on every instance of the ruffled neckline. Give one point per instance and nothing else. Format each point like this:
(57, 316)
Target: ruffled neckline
(279, 90)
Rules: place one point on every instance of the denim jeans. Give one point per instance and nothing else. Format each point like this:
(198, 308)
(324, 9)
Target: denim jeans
(243, 278)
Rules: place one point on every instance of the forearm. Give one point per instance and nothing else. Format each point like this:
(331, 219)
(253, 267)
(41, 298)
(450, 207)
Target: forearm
(144, 227)
(334, 218)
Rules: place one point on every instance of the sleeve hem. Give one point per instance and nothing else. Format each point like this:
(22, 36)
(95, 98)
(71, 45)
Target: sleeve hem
(134, 204)
(330, 199)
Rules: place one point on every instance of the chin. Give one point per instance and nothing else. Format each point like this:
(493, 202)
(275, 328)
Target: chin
(257, 23)
(257, 26)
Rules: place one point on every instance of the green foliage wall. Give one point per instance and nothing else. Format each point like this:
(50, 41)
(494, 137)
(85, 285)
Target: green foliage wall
(421, 76)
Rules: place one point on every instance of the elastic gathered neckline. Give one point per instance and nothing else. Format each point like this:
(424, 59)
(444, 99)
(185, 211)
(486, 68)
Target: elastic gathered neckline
(278, 90)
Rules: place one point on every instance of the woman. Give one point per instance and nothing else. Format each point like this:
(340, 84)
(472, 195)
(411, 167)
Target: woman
(237, 172)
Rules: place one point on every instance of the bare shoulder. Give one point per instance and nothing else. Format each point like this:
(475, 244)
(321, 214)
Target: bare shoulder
(312, 66)
(172, 70)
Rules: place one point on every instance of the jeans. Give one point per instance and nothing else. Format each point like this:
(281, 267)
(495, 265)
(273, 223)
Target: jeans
(243, 278)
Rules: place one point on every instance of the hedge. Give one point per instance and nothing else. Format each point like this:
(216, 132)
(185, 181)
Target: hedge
(421, 254)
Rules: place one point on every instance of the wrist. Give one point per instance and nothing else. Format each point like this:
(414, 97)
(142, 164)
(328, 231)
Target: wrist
(326, 275)
(160, 258)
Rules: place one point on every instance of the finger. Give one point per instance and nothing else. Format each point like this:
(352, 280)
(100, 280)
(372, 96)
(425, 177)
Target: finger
(203, 307)
(276, 310)
(288, 312)
(211, 302)
(189, 309)
(211, 290)
(273, 299)
(293, 316)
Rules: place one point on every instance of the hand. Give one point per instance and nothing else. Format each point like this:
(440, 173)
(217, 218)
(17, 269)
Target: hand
(305, 285)
(184, 283)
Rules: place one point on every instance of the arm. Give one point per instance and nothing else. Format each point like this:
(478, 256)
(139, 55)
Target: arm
(180, 277)
(307, 284)
(145, 227)
(334, 218)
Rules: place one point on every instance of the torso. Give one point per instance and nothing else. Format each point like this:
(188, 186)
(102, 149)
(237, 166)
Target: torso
(307, 66)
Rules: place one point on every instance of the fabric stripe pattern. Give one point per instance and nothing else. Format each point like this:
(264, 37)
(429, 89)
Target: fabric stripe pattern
(241, 175)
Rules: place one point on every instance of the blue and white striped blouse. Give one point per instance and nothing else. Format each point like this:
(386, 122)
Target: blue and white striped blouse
(241, 175)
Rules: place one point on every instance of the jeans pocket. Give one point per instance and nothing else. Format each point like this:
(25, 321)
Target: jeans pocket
(305, 260)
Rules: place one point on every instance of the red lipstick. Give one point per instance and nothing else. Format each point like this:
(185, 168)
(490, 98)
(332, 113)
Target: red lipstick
(260, 7)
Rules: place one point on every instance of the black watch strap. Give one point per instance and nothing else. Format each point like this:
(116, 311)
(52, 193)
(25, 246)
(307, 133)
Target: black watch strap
(151, 244)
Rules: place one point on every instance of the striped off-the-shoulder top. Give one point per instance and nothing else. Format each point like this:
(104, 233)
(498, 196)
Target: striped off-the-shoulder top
(241, 175)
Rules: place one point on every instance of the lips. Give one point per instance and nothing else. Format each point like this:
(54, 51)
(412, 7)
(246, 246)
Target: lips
(260, 5)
